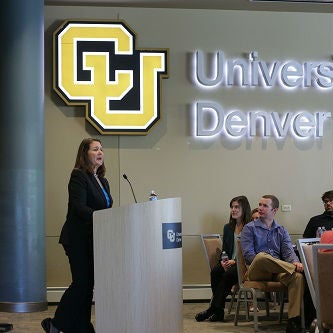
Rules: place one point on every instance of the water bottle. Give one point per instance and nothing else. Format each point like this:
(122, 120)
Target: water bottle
(319, 231)
(153, 196)
(224, 257)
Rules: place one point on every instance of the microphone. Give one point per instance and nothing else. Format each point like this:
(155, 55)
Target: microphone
(125, 177)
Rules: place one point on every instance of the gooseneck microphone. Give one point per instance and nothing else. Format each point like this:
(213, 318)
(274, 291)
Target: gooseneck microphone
(125, 177)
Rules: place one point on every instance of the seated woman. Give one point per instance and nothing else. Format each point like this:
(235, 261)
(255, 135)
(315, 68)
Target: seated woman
(224, 274)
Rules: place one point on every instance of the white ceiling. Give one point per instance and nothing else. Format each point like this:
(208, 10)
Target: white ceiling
(297, 6)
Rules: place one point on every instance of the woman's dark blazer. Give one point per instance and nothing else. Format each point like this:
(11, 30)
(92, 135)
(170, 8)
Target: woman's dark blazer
(85, 196)
(228, 239)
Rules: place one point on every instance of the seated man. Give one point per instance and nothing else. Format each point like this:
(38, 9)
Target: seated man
(323, 220)
(268, 251)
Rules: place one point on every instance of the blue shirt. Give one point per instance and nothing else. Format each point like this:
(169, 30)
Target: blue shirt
(256, 237)
(108, 201)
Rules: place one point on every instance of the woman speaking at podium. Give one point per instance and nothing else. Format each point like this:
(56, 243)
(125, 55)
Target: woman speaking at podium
(88, 191)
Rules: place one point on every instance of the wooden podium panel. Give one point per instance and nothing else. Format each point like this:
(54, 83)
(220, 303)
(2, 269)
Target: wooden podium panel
(138, 283)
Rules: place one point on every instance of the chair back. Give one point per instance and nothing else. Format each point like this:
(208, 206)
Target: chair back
(241, 265)
(304, 247)
(323, 275)
(212, 245)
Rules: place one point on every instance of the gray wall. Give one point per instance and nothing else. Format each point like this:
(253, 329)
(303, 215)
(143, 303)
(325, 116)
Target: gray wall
(205, 174)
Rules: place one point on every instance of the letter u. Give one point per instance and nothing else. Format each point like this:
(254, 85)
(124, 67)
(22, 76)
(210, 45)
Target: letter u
(217, 67)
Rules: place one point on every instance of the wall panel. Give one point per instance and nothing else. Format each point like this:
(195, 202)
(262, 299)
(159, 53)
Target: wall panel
(169, 160)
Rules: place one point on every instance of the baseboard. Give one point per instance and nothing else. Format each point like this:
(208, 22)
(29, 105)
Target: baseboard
(54, 294)
(190, 292)
(196, 292)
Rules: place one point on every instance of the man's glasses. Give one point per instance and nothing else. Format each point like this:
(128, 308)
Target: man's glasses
(327, 201)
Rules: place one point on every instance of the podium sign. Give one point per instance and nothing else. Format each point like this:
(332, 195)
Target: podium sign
(138, 274)
(172, 235)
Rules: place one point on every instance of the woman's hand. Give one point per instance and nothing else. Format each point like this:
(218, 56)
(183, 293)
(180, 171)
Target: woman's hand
(227, 264)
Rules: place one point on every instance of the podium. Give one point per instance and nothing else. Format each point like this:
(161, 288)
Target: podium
(138, 268)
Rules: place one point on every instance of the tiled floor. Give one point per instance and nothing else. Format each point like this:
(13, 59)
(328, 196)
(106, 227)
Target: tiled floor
(30, 322)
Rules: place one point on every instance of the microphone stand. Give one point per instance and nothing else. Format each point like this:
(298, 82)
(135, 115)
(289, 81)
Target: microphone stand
(125, 177)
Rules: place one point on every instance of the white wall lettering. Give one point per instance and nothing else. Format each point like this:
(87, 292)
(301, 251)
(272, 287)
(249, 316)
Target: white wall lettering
(218, 71)
(253, 72)
(212, 120)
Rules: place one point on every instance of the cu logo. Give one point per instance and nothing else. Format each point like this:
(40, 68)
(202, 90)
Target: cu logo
(96, 65)
(171, 235)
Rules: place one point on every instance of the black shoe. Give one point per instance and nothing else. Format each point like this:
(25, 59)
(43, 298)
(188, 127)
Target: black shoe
(5, 327)
(219, 316)
(46, 324)
(92, 329)
(294, 325)
(203, 315)
(309, 320)
(313, 326)
(53, 329)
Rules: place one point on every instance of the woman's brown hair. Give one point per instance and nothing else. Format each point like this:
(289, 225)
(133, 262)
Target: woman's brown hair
(246, 210)
(82, 161)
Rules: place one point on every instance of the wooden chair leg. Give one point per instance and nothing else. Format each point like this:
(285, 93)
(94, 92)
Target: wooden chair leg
(255, 312)
(239, 299)
(244, 297)
(232, 301)
(281, 295)
(273, 294)
(267, 296)
(302, 316)
(247, 311)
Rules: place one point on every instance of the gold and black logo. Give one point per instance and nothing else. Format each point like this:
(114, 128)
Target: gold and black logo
(97, 65)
